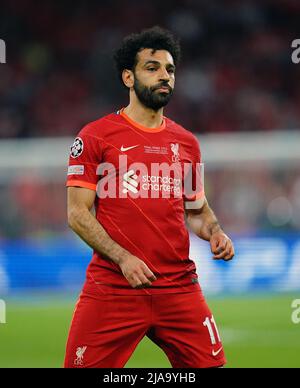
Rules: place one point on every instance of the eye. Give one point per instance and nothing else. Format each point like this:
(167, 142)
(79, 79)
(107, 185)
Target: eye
(151, 68)
(172, 71)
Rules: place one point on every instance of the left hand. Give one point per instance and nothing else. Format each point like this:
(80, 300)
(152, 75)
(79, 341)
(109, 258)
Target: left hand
(221, 246)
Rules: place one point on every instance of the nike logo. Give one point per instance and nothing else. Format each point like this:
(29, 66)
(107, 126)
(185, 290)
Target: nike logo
(217, 352)
(124, 149)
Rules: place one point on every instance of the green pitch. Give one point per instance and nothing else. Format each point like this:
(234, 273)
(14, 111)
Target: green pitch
(256, 332)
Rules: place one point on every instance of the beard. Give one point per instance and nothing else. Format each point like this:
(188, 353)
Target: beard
(150, 97)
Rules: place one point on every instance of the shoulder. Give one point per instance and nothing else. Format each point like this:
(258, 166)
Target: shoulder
(102, 125)
(182, 133)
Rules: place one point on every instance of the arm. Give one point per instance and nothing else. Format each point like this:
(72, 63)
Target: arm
(83, 223)
(205, 225)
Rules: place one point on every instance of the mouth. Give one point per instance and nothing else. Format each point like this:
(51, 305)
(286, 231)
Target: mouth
(164, 89)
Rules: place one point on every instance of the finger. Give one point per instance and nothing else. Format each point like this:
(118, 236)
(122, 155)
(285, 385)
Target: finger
(149, 274)
(144, 280)
(218, 246)
(136, 283)
(222, 244)
(134, 280)
(214, 245)
(218, 257)
(222, 255)
(221, 250)
(230, 255)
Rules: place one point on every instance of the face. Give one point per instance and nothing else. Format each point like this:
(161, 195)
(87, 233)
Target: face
(154, 78)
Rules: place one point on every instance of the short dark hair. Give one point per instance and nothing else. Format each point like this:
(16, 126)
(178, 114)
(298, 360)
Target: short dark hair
(155, 38)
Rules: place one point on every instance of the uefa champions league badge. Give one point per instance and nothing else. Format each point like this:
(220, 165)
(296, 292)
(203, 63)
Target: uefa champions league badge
(76, 148)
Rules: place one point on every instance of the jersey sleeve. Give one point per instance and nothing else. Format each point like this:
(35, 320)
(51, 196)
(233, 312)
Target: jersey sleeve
(193, 190)
(85, 157)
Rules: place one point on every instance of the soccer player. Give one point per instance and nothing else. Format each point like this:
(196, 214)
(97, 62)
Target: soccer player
(141, 280)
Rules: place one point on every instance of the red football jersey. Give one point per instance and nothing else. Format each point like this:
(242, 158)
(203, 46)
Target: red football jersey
(139, 173)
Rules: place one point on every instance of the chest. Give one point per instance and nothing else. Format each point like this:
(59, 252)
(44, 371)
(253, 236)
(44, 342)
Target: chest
(146, 149)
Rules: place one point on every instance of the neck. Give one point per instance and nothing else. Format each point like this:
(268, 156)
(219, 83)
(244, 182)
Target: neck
(143, 115)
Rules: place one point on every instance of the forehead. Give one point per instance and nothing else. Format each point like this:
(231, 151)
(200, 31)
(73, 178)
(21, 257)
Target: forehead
(162, 56)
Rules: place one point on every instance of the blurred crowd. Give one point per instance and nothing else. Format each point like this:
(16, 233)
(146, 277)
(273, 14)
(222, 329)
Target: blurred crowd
(247, 201)
(236, 73)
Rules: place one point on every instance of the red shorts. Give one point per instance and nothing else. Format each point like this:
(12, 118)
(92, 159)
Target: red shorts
(106, 329)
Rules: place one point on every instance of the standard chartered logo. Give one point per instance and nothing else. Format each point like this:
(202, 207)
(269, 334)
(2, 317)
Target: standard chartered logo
(164, 184)
(130, 182)
(149, 181)
(152, 183)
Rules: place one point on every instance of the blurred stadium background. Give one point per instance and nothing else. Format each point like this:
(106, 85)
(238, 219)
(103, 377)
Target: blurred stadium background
(237, 90)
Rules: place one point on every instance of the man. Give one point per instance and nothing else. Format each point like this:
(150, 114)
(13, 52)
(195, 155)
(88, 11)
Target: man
(141, 280)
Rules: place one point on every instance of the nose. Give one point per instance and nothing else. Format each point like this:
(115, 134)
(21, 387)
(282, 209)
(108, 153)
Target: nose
(164, 75)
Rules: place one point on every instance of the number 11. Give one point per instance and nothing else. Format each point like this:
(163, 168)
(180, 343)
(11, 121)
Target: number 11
(208, 323)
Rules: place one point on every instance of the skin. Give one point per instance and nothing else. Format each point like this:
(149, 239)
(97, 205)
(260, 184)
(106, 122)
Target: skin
(84, 223)
(151, 75)
(153, 69)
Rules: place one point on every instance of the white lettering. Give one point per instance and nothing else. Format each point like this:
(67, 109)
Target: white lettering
(122, 378)
(2, 51)
(296, 312)
(2, 311)
(296, 52)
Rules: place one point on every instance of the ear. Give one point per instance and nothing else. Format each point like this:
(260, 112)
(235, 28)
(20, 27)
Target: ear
(128, 78)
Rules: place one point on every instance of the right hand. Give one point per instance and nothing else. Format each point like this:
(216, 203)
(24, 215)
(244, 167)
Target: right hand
(136, 272)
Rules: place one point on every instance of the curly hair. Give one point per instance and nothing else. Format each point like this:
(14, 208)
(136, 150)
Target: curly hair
(155, 38)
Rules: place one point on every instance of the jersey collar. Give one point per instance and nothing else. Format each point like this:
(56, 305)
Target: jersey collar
(142, 127)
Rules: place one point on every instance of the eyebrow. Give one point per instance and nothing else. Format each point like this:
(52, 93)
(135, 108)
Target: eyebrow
(158, 63)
